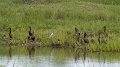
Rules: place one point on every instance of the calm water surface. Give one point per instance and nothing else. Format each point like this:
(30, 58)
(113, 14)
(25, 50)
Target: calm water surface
(49, 57)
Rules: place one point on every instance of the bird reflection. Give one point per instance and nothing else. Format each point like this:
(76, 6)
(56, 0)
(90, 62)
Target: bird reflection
(81, 53)
(84, 55)
(78, 53)
(31, 50)
(10, 51)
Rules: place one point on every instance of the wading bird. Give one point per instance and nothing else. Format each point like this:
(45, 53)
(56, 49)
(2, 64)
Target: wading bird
(10, 36)
(29, 33)
(33, 37)
(85, 39)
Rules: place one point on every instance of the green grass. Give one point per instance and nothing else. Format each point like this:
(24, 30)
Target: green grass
(60, 17)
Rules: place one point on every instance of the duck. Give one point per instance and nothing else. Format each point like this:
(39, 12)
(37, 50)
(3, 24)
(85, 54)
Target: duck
(29, 33)
(31, 39)
(99, 38)
(78, 37)
(105, 31)
(33, 36)
(76, 30)
(10, 34)
(86, 41)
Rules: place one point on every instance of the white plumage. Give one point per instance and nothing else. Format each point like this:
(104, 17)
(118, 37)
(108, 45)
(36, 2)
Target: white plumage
(51, 35)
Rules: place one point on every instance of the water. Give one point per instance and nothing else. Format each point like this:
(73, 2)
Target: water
(51, 57)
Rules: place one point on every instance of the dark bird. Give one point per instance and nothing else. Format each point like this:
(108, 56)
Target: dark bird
(99, 38)
(33, 37)
(31, 44)
(78, 37)
(10, 34)
(76, 30)
(85, 38)
(105, 31)
(85, 41)
(29, 33)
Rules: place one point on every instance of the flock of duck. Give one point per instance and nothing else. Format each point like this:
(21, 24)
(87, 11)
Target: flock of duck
(90, 36)
(85, 39)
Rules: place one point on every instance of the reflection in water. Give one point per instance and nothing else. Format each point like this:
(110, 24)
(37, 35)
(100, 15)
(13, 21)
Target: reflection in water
(31, 51)
(48, 57)
(10, 57)
(31, 48)
(10, 51)
(77, 55)
(84, 55)
(78, 52)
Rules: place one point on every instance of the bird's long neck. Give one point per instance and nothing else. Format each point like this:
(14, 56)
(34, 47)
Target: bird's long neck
(10, 32)
(30, 32)
(76, 30)
(30, 29)
(85, 35)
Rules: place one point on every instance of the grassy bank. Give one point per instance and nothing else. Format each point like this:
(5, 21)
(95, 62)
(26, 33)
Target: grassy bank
(60, 18)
